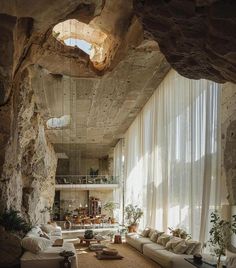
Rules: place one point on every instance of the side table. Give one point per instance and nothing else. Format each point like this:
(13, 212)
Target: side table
(202, 264)
(117, 239)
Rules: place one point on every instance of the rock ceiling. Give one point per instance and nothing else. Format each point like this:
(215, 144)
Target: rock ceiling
(103, 107)
(103, 97)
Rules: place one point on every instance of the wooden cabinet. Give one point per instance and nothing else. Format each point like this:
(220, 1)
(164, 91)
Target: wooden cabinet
(95, 207)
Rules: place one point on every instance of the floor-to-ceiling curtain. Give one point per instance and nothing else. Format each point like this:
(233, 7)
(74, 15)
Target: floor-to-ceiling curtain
(118, 175)
(172, 155)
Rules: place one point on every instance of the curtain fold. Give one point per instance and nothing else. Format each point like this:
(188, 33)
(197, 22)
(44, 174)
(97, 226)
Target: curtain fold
(172, 155)
(118, 174)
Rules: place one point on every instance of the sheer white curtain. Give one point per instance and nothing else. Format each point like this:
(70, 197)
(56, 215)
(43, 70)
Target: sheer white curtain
(172, 155)
(118, 173)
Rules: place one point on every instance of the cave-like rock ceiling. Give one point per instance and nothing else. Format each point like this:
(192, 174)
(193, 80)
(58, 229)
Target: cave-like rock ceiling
(141, 40)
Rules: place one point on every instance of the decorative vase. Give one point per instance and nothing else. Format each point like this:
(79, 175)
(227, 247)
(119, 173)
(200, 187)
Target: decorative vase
(66, 263)
(67, 225)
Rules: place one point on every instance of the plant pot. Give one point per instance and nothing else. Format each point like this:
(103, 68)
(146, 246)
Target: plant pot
(133, 228)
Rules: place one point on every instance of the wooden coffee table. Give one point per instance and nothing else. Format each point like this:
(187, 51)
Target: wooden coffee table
(88, 241)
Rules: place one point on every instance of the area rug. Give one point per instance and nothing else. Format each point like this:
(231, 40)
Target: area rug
(132, 258)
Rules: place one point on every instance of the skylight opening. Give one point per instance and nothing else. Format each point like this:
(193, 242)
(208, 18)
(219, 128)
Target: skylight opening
(91, 40)
(58, 122)
(82, 44)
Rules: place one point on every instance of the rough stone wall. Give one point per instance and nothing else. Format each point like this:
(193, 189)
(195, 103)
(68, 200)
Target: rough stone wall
(228, 129)
(28, 179)
(197, 37)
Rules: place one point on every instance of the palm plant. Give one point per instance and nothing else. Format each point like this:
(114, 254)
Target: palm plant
(13, 222)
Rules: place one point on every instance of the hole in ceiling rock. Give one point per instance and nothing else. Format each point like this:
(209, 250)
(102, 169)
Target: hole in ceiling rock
(92, 41)
(58, 122)
(83, 45)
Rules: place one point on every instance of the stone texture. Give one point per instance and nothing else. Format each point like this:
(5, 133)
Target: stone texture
(198, 38)
(101, 109)
(228, 129)
(28, 179)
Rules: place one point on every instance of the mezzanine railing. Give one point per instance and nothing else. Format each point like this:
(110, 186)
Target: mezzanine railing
(86, 179)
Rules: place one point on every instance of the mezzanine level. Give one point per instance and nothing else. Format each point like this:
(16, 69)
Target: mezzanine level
(86, 182)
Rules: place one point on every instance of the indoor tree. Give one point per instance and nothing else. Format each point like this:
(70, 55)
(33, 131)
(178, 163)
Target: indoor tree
(220, 234)
(133, 215)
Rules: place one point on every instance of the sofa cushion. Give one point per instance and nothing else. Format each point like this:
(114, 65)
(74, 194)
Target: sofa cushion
(163, 239)
(146, 232)
(152, 246)
(138, 241)
(35, 244)
(194, 247)
(173, 242)
(56, 231)
(48, 258)
(154, 237)
(151, 232)
(167, 259)
(181, 247)
(47, 228)
(45, 235)
(35, 231)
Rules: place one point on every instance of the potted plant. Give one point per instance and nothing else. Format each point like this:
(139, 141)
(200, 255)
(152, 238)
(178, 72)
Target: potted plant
(220, 234)
(109, 207)
(133, 215)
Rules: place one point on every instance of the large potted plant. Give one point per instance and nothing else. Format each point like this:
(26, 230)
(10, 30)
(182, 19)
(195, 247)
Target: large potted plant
(220, 234)
(133, 215)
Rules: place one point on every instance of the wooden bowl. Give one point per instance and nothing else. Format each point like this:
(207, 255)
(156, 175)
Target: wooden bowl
(110, 251)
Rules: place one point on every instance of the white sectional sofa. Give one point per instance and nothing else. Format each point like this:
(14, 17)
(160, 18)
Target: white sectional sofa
(49, 256)
(158, 253)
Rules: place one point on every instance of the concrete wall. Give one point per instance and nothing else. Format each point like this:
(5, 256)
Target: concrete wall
(72, 199)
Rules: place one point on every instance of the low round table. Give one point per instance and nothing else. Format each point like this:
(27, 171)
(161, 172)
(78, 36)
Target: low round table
(88, 241)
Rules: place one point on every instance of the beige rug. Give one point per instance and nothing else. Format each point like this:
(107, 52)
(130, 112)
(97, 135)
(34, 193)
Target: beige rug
(132, 259)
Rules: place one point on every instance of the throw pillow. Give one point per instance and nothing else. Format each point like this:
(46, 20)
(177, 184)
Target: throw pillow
(154, 237)
(151, 232)
(173, 242)
(181, 247)
(145, 232)
(47, 228)
(35, 244)
(35, 231)
(191, 247)
(163, 239)
(197, 249)
(45, 235)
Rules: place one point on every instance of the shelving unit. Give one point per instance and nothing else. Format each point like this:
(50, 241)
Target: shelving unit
(95, 206)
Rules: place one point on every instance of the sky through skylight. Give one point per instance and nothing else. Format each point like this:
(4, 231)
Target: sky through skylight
(83, 45)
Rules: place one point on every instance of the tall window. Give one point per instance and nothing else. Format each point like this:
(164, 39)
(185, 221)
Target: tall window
(172, 155)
